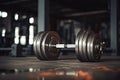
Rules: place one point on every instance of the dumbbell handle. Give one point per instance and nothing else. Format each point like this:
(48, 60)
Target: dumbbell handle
(65, 45)
(61, 46)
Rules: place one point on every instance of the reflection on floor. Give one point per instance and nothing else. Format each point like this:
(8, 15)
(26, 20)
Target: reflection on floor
(30, 68)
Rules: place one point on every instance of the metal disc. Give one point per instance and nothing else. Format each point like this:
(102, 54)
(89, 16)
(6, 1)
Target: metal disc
(50, 39)
(38, 44)
(94, 48)
(97, 48)
(84, 46)
(89, 44)
(77, 44)
(35, 45)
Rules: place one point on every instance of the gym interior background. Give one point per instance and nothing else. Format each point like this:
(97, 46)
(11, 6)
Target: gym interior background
(22, 20)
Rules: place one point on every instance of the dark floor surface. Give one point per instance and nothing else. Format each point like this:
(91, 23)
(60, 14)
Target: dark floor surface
(30, 68)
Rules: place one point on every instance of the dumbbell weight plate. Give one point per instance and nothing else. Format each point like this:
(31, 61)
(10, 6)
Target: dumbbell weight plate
(49, 39)
(84, 46)
(39, 43)
(36, 44)
(88, 46)
(93, 48)
(79, 45)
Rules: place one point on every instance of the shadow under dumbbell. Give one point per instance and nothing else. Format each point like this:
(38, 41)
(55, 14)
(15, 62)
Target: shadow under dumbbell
(67, 54)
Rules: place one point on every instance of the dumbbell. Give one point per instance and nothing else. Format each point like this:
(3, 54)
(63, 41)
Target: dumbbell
(88, 46)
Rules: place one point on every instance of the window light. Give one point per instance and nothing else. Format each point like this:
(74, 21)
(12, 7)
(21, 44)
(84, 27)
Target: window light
(31, 20)
(4, 14)
(31, 34)
(23, 40)
(16, 16)
(3, 32)
(16, 31)
(16, 39)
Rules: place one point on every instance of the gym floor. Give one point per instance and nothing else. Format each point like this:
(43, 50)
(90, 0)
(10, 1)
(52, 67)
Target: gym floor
(66, 68)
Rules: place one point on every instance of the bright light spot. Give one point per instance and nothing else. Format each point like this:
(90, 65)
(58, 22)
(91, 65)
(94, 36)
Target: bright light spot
(3, 32)
(30, 41)
(17, 32)
(16, 70)
(31, 20)
(4, 14)
(23, 40)
(31, 30)
(31, 34)
(71, 73)
(16, 16)
(16, 40)
(30, 69)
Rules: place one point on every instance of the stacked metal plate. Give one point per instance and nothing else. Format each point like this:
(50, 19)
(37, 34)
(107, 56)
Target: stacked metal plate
(44, 45)
(88, 46)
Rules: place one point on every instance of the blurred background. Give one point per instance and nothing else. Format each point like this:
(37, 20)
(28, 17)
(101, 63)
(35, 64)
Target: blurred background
(21, 20)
